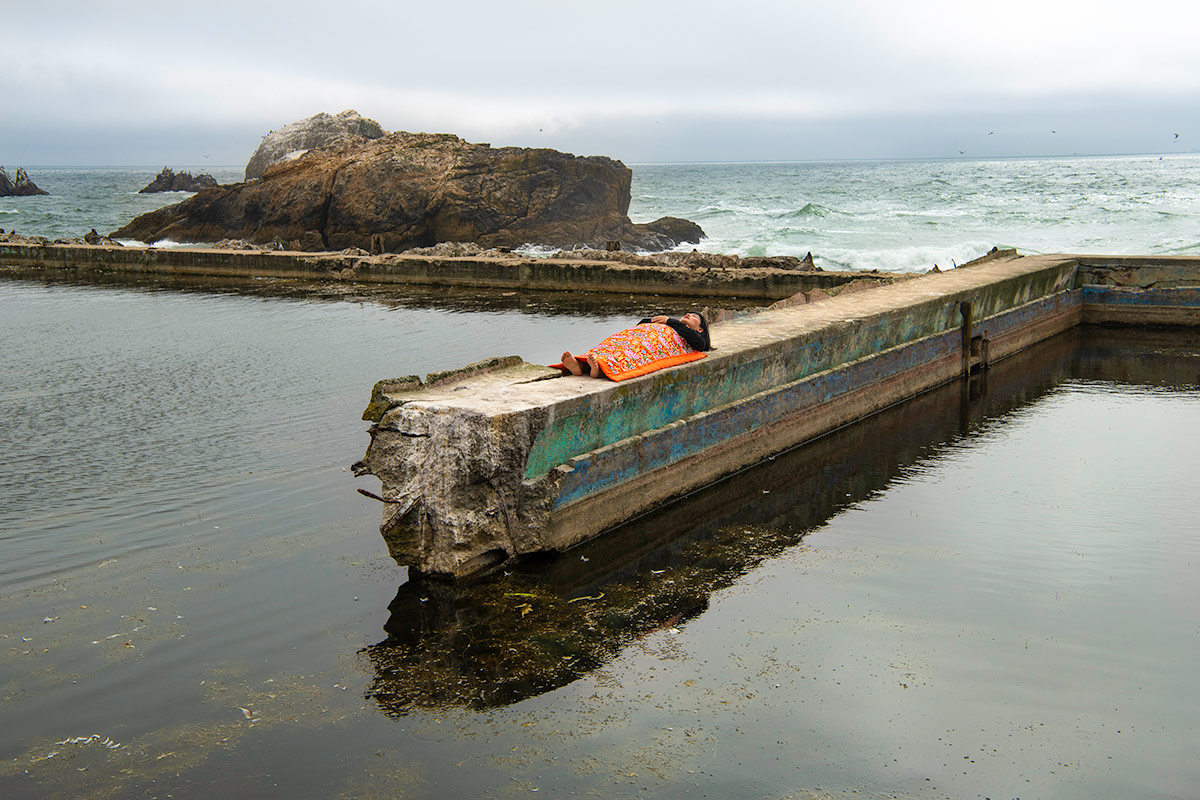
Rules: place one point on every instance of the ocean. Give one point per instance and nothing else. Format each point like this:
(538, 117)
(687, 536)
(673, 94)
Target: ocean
(902, 216)
(986, 594)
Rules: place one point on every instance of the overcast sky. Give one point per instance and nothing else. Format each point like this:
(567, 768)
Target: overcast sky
(184, 84)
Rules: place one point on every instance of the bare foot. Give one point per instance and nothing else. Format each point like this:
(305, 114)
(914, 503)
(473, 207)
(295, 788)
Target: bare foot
(594, 366)
(571, 364)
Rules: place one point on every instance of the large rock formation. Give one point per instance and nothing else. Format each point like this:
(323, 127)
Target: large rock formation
(21, 187)
(320, 130)
(171, 181)
(415, 190)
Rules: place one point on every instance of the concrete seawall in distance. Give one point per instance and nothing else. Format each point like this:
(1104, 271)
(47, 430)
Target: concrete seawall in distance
(498, 272)
(505, 458)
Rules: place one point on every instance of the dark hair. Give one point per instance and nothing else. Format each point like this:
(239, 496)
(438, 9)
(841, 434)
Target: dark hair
(704, 330)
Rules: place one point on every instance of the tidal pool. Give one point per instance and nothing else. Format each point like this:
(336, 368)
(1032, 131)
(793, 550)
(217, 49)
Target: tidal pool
(988, 591)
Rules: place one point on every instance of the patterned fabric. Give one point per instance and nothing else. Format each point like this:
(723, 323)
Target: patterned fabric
(641, 350)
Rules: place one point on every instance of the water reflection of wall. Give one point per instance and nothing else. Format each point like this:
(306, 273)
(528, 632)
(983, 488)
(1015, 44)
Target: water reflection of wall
(546, 624)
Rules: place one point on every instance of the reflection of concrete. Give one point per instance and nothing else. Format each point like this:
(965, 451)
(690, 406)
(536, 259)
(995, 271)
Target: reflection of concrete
(496, 642)
(1163, 358)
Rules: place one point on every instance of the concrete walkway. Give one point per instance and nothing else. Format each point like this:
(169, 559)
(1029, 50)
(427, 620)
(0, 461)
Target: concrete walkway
(510, 271)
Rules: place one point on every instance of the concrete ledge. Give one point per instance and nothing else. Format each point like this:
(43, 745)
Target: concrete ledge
(1123, 305)
(510, 272)
(1140, 290)
(473, 479)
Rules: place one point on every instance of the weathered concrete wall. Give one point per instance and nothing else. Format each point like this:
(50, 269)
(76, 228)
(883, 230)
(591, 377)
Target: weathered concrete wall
(512, 272)
(498, 465)
(1140, 290)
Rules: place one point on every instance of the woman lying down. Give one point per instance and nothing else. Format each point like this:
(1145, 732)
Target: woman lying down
(654, 343)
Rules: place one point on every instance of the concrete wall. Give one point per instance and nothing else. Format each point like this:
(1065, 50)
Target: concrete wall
(511, 272)
(1145, 290)
(824, 367)
(474, 473)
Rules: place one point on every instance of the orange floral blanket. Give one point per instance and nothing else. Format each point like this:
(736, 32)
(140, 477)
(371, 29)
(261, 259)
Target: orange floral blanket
(641, 350)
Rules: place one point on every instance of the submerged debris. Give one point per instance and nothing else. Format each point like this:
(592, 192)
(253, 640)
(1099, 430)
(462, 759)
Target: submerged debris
(95, 738)
(500, 641)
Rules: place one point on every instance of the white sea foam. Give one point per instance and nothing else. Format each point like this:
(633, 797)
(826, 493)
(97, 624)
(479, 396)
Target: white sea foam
(164, 244)
(913, 258)
(536, 250)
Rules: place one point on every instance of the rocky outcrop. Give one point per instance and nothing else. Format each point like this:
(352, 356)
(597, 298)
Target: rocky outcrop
(21, 187)
(780, 262)
(415, 190)
(91, 237)
(171, 181)
(320, 130)
(664, 233)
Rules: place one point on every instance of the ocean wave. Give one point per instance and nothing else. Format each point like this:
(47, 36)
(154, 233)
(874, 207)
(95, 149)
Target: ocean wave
(810, 210)
(163, 244)
(712, 212)
(536, 250)
(938, 214)
(10, 211)
(1184, 249)
(735, 209)
(912, 258)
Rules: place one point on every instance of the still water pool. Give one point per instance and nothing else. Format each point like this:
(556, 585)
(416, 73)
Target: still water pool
(989, 591)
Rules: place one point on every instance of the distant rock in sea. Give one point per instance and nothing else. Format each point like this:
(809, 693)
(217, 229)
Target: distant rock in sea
(319, 130)
(171, 181)
(418, 189)
(21, 187)
(91, 237)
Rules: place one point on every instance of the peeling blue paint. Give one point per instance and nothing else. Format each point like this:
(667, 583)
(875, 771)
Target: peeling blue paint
(633, 408)
(604, 470)
(1180, 297)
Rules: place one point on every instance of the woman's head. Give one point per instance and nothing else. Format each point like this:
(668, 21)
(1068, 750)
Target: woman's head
(697, 322)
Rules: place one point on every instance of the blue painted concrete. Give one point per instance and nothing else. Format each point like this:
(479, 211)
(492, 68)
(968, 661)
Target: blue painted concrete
(612, 466)
(1180, 297)
(633, 408)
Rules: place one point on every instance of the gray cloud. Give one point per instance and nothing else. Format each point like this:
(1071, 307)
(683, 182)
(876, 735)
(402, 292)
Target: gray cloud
(132, 82)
